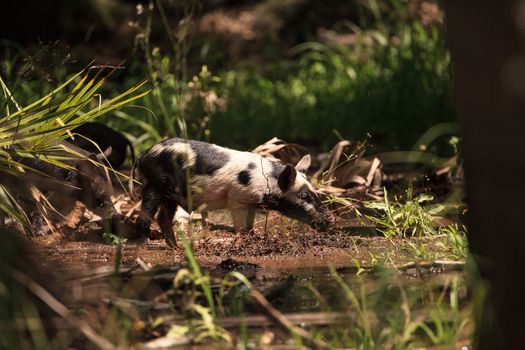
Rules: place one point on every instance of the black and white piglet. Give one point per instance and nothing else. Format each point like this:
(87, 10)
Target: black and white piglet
(222, 178)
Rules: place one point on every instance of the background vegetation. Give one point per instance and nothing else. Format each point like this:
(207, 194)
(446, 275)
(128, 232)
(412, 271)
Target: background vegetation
(241, 73)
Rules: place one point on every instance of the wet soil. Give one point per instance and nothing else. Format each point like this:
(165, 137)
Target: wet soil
(276, 243)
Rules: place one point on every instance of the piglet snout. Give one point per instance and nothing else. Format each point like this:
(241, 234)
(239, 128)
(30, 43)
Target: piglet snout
(324, 222)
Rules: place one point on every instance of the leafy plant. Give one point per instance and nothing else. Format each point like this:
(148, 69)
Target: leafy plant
(403, 219)
(456, 242)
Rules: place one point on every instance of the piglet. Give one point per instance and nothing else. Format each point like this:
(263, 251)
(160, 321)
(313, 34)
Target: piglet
(199, 175)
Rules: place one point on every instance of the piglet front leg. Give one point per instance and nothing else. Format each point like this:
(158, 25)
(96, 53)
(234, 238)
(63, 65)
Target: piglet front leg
(243, 219)
(165, 221)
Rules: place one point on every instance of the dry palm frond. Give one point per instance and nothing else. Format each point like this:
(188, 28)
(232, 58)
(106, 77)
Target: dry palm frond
(277, 149)
(346, 172)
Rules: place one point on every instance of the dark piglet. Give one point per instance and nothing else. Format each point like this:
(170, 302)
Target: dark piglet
(83, 181)
(104, 137)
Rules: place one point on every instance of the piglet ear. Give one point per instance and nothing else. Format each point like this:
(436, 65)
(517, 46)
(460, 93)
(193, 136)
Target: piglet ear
(304, 164)
(287, 178)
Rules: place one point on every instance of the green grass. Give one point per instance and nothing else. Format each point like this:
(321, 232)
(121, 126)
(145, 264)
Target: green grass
(390, 314)
(385, 309)
(408, 218)
(416, 217)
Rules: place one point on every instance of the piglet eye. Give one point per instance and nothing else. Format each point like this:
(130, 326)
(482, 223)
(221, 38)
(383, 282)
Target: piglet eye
(305, 196)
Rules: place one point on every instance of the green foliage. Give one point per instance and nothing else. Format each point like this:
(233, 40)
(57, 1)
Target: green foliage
(446, 320)
(361, 332)
(403, 219)
(114, 239)
(196, 271)
(411, 218)
(190, 285)
(118, 242)
(43, 122)
(186, 112)
(392, 82)
(456, 240)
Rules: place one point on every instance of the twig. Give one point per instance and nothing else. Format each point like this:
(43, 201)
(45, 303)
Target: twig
(449, 265)
(284, 322)
(132, 210)
(62, 310)
(300, 318)
(373, 167)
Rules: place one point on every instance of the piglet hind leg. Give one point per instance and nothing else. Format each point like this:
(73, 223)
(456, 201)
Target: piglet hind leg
(151, 200)
(204, 218)
(165, 221)
(243, 219)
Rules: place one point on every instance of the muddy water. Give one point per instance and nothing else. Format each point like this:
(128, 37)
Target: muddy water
(294, 269)
(315, 289)
(302, 283)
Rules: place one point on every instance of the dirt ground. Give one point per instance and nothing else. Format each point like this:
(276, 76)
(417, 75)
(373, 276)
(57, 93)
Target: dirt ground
(275, 244)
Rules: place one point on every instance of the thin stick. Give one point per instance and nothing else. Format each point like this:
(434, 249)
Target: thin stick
(284, 322)
(302, 318)
(62, 310)
(132, 210)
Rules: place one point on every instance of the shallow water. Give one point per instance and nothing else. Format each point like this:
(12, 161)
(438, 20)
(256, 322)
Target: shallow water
(315, 289)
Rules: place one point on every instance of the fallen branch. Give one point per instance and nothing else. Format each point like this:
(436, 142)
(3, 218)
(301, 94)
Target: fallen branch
(448, 265)
(284, 322)
(304, 319)
(61, 310)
